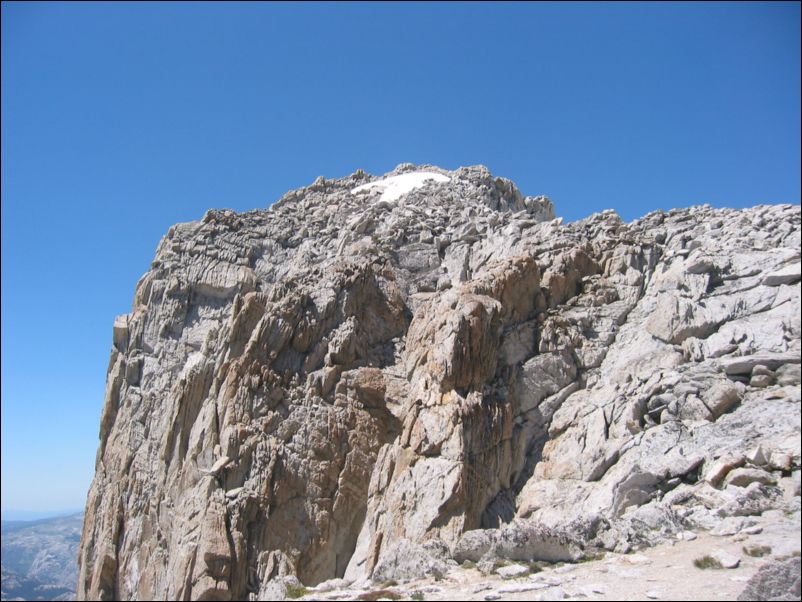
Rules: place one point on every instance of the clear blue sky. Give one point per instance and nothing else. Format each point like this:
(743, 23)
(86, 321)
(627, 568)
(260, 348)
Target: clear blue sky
(119, 120)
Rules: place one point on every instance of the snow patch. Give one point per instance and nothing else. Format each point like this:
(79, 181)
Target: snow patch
(395, 187)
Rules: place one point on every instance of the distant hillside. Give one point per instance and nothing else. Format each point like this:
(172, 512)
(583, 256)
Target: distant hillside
(39, 558)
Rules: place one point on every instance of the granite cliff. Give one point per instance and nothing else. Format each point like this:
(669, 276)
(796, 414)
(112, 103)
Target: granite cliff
(377, 377)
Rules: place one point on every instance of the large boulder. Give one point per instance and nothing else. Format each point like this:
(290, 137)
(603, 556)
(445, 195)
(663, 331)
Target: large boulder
(775, 580)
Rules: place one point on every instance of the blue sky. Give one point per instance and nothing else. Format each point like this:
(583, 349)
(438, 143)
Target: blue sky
(119, 120)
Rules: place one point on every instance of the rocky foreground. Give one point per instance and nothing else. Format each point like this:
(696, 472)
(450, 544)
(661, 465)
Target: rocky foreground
(759, 563)
(387, 380)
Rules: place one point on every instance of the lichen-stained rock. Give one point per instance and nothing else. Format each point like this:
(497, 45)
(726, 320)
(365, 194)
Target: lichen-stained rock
(373, 374)
(775, 580)
(518, 540)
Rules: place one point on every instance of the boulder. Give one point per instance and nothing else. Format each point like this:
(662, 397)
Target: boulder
(774, 580)
(786, 275)
(405, 560)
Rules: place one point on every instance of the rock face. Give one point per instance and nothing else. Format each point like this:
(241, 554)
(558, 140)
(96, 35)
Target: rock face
(776, 580)
(355, 380)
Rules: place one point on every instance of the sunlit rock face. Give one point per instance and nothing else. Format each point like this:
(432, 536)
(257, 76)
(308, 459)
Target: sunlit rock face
(353, 382)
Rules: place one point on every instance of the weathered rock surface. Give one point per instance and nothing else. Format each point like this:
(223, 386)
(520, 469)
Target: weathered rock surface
(776, 580)
(351, 383)
(518, 541)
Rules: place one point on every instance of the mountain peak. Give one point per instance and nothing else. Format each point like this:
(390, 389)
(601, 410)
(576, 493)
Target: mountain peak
(379, 375)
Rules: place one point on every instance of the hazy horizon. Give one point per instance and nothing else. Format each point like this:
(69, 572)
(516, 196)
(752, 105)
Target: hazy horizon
(17, 515)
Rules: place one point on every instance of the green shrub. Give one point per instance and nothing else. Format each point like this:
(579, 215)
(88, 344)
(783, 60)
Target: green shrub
(535, 566)
(707, 562)
(757, 551)
(590, 557)
(500, 562)
(294, 592)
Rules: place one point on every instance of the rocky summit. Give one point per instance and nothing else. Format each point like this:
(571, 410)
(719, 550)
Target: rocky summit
(379, 378)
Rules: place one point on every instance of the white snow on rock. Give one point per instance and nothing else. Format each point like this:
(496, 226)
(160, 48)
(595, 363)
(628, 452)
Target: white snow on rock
(395, 187)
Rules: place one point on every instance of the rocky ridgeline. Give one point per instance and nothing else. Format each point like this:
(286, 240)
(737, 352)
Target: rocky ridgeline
(375, 378)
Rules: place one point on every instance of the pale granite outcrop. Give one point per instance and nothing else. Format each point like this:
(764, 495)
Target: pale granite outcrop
(352, 383)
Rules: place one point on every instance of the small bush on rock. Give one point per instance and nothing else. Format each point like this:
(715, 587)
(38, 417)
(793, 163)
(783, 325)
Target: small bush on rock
(707, 562)
(757, 551)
